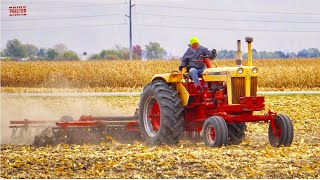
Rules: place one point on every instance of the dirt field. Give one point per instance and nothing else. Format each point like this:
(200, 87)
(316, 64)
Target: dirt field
(254, 158)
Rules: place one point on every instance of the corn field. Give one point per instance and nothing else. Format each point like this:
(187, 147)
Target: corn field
(280, 74)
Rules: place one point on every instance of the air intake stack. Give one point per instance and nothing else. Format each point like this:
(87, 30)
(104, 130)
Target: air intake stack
(249, 41)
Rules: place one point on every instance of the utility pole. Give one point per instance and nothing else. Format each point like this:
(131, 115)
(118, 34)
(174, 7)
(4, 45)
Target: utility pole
(130, 28)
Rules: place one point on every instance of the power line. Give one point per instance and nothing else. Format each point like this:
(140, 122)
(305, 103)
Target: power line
(226, 19)
(73, 6)
(224, 29)
(229, 10)
(110, 4)
(63, 27)
(161, 15)
(67, 17)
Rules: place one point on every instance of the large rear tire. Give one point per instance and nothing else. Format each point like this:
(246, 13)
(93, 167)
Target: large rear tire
(160, 114)
(236, 132)
(215, 132)
(283, 134)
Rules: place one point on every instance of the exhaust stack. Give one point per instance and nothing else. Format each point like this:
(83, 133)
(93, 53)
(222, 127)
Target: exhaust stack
(249, 41)
(239, 54)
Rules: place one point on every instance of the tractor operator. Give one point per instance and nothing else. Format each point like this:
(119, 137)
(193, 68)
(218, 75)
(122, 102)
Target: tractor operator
(192, 64)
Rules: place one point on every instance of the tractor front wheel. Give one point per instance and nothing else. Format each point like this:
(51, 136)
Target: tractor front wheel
(282, 134)
(160, 114)
(215, 132)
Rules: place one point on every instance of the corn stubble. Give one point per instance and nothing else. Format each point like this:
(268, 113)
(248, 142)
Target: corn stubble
(254, 158)
(111, 76)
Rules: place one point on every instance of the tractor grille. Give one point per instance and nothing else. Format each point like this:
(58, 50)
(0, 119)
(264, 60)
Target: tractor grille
(238, 89)
(254, 85)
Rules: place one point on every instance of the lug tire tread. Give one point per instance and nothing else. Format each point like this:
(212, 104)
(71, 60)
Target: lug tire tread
(171, 125)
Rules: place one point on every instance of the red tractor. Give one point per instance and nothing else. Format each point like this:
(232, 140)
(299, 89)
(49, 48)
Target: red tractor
(170, 106)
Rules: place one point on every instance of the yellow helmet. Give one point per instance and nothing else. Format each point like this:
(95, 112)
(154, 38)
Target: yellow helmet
(193, 40)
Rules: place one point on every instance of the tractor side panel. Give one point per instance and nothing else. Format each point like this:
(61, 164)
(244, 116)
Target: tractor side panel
(194, 118)
(183, 93)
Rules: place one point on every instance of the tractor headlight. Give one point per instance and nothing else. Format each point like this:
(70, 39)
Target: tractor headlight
(240, 70)
(254, 70)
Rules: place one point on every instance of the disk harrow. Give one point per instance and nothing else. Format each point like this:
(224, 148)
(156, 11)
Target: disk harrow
(86, 130)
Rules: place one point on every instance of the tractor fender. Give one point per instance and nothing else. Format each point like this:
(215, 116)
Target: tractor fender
(169, 78)
(176, 79)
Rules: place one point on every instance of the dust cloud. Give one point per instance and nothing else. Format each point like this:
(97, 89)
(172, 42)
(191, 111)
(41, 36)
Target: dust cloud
(53, 108)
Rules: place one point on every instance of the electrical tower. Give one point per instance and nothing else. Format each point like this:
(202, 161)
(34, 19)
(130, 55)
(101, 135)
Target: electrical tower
(130, 28)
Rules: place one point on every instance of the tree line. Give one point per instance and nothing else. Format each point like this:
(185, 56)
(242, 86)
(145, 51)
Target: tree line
(153, 50)
(15, 50)
(304, 53)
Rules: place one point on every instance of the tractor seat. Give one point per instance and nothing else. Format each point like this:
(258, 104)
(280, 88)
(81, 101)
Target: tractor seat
(189, 77)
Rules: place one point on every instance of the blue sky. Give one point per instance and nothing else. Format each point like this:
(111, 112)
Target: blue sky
(94, 25)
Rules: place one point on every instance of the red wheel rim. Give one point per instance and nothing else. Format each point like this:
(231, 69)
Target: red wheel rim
(277, 130)
(151, 116)
(155, 116)
(211, 134)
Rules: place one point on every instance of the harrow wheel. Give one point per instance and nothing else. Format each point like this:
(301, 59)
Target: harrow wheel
(215, 132)
(49, 136)
(283, 132)
(160, 114)
(76, 135)
(67, 118)
(236, 132)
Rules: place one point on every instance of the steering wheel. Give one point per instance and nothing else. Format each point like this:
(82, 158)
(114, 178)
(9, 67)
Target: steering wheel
(202, 56)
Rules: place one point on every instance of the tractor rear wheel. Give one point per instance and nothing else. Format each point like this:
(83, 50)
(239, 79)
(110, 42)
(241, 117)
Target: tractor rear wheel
(283, 132)
(236, 132)
(160, 114)
(215, 132)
